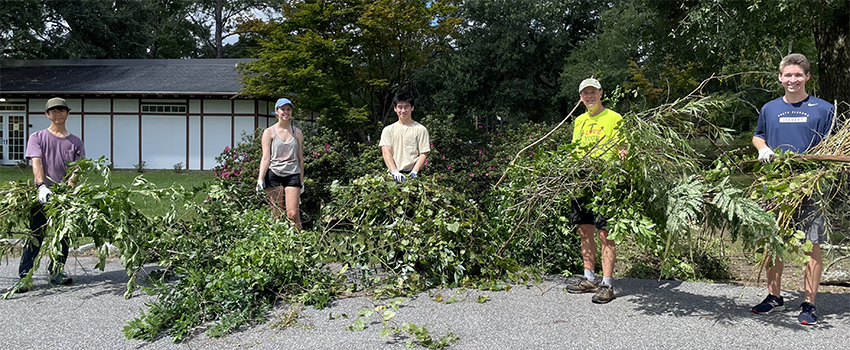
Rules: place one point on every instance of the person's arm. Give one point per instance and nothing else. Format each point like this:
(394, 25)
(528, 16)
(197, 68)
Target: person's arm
(759, 143)
(420, 161)
(266, 159)
(300, 137)
(38, 170)
(387, 153)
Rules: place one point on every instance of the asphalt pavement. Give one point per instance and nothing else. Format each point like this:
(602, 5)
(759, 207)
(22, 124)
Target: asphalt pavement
(647, 314)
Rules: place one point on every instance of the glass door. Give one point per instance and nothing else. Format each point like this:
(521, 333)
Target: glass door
(11, 139)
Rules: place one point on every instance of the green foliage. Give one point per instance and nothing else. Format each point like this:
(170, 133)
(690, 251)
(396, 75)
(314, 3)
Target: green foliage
(238, 168)
(420, 233)
(507, 60)
(346, 59)
(99, 212)
(387, 313)
(653, 197)
(233, 265)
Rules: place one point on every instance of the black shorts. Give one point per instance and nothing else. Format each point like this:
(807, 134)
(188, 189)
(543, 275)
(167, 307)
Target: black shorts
(584, 216)
(274, 180)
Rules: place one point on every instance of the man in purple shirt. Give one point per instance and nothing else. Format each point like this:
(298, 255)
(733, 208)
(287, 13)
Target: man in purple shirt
(795, 122)
(50, 150)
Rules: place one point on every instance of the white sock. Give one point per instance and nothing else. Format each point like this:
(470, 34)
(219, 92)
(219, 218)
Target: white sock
(609, 281)
(590, 275)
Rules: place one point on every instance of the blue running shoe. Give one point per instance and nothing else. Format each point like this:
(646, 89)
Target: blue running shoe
(60, 279)
(809, 315)
(769, 304)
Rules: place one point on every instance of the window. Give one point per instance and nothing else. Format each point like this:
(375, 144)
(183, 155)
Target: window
(12, 108)
(164, 108)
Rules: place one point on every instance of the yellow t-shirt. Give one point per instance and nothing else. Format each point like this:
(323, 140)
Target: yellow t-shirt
(407, 141)
(599, 133)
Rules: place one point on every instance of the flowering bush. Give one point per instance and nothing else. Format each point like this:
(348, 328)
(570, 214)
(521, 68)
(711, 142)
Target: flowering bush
(238, 167)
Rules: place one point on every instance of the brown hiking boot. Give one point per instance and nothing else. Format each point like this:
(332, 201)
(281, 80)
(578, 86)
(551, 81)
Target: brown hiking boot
(604, 294)
(583, 286)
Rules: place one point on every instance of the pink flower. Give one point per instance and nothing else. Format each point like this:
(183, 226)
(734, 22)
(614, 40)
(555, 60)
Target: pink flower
(432, 144)
(487, 174)
(499, 134)
(450, 167)
(479, 152)
(476, 162)
(529, 136)
(226, 148)
(471, 175)
(444, 157)
(426, 163)
(481, 126)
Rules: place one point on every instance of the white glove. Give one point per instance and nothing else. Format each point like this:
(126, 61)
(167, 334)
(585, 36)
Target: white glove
(44, 193)
(302, 188)
(261, 184)
(413, 174)
(766, 155)
(398, 176)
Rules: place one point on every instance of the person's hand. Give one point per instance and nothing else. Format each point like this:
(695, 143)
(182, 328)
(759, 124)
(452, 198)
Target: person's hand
(766, 155)
(398, 176)
(261, 184)
(413, 174)
(44, 193)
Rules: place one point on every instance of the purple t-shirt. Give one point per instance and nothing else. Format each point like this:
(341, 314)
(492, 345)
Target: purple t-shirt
(55, 152)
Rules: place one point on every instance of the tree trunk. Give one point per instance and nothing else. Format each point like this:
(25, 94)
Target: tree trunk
(218, 28)
(831, 32)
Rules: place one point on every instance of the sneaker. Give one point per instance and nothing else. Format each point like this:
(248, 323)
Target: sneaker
(20, 286)
(604, 294)
(809, 315)
(583, 286)
(769, 304)
(60, 279)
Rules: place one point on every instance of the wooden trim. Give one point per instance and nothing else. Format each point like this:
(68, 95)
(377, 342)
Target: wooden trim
(187, 135)
(256, 114)
(83, 119)
(139, 106)
(232, 123)
(202, 134)
(112, 131)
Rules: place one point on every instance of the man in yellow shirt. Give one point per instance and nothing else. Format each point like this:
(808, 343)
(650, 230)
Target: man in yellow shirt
(596, 134)
(404, 144)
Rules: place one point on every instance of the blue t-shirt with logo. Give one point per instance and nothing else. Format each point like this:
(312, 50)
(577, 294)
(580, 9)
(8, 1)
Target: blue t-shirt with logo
(797, 126)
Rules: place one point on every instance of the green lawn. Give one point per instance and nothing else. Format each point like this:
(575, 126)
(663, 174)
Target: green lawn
(161, 178)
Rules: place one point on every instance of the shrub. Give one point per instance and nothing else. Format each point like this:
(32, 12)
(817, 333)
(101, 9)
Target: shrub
(422, 233)
(179, 168)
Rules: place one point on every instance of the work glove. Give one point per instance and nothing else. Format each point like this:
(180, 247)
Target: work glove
(261, 184)
(413, 174)
(398, 176)
(766, 155)
(44, 193)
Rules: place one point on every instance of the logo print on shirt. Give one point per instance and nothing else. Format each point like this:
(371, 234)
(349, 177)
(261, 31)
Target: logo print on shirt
(812, 104)
(793, 119)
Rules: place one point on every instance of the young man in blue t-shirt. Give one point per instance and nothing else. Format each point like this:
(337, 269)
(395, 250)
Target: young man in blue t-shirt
(795, 122)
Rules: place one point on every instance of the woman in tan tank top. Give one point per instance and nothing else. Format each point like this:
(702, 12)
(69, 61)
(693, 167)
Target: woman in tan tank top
(281, 174)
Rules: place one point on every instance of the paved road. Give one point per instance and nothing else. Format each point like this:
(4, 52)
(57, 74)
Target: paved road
(647, 314)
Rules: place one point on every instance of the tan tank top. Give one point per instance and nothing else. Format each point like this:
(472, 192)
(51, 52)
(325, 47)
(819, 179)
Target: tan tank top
(284, 155)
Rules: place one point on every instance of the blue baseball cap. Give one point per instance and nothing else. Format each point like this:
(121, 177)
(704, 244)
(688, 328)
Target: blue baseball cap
(282, 102)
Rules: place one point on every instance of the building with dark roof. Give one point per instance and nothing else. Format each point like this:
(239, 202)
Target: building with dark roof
(161, 112)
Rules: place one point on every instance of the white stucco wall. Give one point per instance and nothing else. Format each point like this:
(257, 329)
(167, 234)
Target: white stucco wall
(163, 142)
